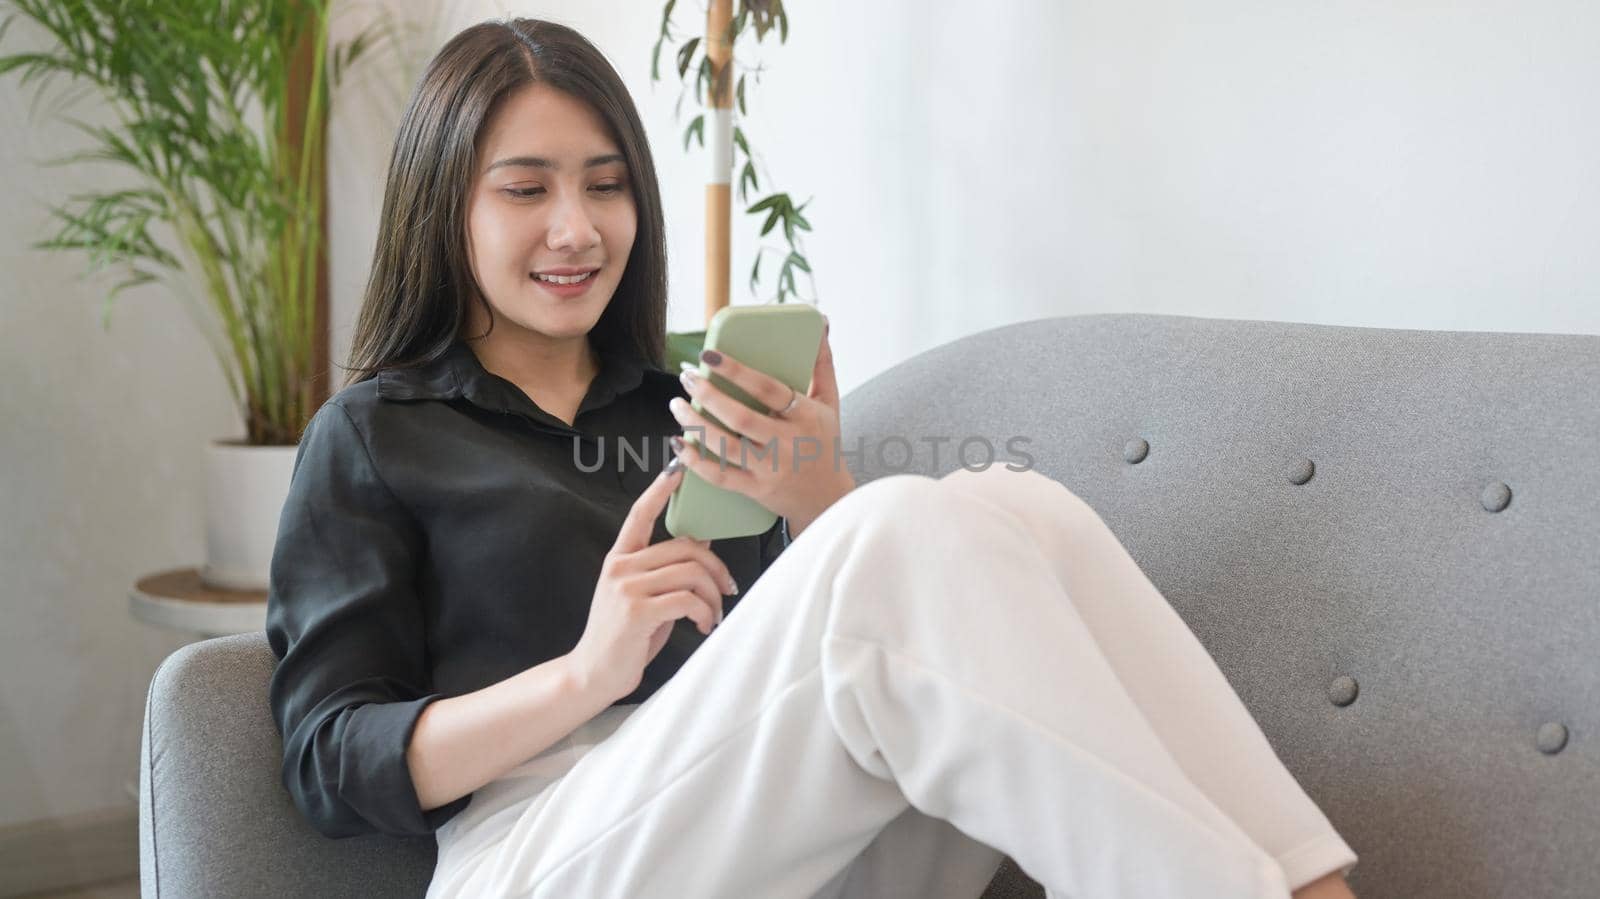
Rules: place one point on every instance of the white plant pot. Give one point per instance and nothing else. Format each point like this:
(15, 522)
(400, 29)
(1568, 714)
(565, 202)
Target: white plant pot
(245, 489)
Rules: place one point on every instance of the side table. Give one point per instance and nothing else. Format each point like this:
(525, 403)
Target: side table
(177, 599)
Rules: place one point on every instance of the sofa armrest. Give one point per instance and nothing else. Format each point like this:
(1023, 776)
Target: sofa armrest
(214, 818)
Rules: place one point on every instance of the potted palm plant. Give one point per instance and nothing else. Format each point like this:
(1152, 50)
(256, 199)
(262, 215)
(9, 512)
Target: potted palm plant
(221, 113)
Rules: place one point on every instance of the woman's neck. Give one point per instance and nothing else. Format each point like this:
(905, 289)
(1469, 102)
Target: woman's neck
(538, 365)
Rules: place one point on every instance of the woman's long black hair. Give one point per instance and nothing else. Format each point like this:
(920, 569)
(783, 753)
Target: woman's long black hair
(416, 297)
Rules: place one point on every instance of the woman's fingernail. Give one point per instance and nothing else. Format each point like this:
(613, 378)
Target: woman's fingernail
(672, 466)
(733, 587)
(711, 358)
(824, 325)
(677, 444)
(690, 379)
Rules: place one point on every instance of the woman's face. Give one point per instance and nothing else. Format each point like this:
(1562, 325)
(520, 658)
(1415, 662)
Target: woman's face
(552, 195)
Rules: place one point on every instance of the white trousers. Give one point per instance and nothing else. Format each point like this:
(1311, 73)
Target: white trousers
(935, 672)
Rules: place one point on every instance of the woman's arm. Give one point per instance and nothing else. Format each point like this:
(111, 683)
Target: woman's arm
(368, 744)
(464, 742)
(346, 625)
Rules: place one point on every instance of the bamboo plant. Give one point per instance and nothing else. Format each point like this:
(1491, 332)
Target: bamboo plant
(760, 17)
(226, 141)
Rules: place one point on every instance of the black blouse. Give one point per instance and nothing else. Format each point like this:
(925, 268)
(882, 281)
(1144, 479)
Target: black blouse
(443, 533)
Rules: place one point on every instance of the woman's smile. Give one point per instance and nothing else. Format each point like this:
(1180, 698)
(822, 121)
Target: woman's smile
(565, 290)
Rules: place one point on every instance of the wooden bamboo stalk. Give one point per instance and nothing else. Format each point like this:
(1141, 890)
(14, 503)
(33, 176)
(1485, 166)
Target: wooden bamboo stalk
(318, 385)
(719, 195)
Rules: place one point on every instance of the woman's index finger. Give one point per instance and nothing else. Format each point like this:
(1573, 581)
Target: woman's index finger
(637, 528)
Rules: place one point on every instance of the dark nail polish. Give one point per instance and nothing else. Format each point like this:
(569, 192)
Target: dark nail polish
(711, 357)
(673, 465)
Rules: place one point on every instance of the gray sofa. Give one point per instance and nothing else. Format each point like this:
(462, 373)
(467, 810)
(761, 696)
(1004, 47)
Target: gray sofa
(1389, 540)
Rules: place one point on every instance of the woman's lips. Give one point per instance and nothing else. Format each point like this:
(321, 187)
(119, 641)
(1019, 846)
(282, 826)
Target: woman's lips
(566, 291)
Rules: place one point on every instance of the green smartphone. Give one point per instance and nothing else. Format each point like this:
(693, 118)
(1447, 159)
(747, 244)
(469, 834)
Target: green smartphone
(781, 340)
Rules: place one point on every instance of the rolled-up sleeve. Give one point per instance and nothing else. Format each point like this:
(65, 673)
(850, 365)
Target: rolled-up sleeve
(345, 622)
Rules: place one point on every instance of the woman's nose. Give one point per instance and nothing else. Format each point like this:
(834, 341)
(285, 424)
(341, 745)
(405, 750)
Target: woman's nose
(570, 228)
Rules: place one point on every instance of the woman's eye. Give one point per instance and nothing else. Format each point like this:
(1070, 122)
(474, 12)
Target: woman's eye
(525, 193)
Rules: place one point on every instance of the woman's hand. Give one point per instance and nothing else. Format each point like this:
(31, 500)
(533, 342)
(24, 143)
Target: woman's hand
(643, 589)
(788, 463)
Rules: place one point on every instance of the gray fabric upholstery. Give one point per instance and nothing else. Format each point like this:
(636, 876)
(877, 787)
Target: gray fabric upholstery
(1387, 538)
(213, 818)
(1464, 630)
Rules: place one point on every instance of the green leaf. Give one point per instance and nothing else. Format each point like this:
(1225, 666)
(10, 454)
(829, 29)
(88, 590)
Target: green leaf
(696, 129)
(749, 174)
(768, 202)
(771, 220)
(702, 77)
(686, 55)
(755, 272)
(138, 277)
(800, 262)
(740, 92)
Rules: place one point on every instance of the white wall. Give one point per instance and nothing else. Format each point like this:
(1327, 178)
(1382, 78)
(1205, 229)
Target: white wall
(101, 433)
(1415, 165)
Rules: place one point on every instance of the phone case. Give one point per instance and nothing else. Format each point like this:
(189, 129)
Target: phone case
(782, 340)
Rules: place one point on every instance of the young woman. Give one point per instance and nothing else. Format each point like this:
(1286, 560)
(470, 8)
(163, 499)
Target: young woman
(484, 633)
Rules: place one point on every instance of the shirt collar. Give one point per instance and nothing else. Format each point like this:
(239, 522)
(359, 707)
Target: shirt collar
(458, 374)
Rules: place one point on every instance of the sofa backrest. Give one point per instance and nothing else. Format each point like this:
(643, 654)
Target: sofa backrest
(1388, 539)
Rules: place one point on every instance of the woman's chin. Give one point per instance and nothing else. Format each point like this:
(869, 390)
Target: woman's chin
(560, 326)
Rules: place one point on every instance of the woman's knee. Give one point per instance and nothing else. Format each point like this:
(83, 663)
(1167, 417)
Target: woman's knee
(914, 504)
(1027, 494)
(995, 476)
(1013, 485)
(883, 496)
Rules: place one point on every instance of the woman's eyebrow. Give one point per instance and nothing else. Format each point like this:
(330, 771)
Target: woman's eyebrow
(540, 162)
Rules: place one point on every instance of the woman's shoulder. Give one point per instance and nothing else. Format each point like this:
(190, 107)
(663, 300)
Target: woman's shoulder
(398, 433)
(357, 409)
(361, 397)
(356, 437)
(357, 403)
